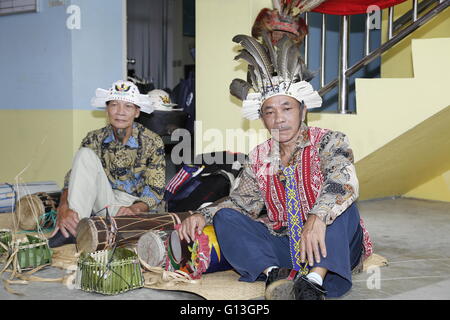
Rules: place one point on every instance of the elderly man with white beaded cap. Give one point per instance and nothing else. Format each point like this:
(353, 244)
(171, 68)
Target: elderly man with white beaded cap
(119, 168)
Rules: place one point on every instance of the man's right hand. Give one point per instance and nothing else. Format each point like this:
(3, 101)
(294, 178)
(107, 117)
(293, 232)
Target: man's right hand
(195, 223)
(66, 221)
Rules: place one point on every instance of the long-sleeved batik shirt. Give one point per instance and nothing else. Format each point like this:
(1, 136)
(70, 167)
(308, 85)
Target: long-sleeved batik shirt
(137, 167)
(325, 174)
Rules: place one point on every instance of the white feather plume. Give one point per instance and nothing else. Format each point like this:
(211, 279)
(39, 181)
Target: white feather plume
(303, 91)
(251, 106)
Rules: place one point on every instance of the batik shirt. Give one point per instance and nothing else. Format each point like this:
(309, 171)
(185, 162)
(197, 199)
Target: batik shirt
(325, 175)
(137, 167)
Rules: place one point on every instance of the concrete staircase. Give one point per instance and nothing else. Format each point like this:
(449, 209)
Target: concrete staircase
(401, 132)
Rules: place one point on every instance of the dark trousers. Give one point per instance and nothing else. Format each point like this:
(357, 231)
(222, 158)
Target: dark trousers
(250, 248)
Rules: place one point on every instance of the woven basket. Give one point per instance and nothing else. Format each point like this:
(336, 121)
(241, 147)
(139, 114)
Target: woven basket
(109, 272)
(5, 239)
(32, 252)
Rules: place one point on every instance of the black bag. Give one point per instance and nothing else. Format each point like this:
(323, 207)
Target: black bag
(203, 182)
(163, 123)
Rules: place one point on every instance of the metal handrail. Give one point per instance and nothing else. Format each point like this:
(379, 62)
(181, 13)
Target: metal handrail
(397, 38)
(393, 39)
(344, 40)
(406, 18)
(323, 41)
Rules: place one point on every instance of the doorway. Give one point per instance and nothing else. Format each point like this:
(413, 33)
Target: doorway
(160, 51)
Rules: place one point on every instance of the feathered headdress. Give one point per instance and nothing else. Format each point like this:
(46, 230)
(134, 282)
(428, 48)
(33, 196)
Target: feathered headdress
(285, 17)
(272, 70)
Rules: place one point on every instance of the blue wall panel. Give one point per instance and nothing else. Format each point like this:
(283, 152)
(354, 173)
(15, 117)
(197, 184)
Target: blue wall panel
(35, 60)
(44, 65)
(97, 49)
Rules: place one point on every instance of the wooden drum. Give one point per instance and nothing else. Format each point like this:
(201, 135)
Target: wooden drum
(99, 233)
(33, 209)
(168, 251)
(151, 247)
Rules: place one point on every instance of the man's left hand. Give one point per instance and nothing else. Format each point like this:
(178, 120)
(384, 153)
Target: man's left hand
(135, 208)
(312, 243)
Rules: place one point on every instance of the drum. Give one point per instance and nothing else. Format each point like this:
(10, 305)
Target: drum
(99, 233)
(10, 193)
(191, 258)
(151, 247)
(39, 208)
(166, 250)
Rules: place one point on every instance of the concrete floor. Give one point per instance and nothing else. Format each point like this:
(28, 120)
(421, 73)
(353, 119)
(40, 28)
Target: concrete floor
(414, 235)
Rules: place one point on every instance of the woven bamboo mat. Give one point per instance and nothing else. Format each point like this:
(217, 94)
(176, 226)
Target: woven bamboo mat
(226, 286)
(214, 286)
(223, 285)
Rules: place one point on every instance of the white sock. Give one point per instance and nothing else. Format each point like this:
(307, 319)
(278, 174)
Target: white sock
(315, 277)
(266, 272)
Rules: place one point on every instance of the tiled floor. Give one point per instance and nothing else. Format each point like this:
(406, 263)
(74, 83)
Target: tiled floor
(414, 235)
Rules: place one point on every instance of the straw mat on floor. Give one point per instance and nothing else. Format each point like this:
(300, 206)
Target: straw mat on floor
(214, 286)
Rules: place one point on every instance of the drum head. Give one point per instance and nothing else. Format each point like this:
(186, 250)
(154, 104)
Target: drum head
(87, 237)
(28, 210)
(175, 247)
(151, 248)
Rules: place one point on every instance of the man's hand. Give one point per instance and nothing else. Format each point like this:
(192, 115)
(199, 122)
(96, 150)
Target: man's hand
(312, 243)
(135, 208)
(189, 226)
(66, 221)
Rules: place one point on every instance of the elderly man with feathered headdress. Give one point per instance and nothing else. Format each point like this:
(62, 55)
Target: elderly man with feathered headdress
(310, 237)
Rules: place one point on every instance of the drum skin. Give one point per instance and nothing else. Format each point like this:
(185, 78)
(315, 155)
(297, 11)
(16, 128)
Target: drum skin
(151, 247)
